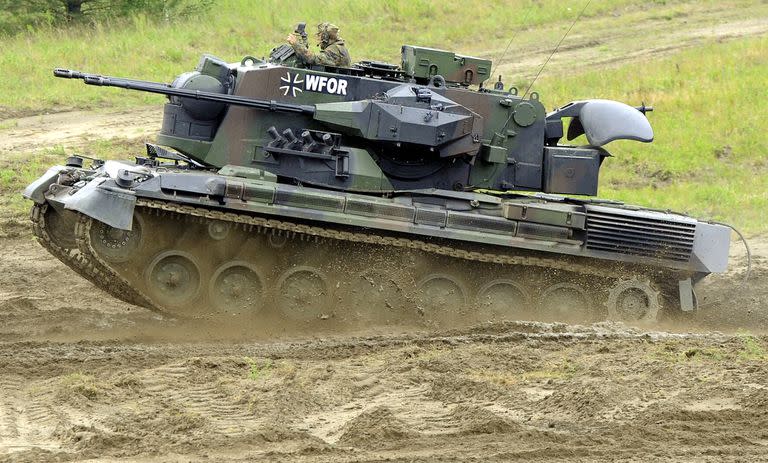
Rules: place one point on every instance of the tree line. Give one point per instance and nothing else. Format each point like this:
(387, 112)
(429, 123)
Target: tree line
(17, 16)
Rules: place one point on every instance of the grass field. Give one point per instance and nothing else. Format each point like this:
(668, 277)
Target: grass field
(708, 158)
(144, 49)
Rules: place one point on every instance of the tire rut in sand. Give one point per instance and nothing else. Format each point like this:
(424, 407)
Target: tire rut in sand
(209, 401)
(27, 419)
(404, 413)
(9, 407)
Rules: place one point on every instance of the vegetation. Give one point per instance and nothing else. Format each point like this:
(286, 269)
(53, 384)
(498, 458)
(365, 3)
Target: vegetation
(17, 170)
(749, 348)
(17, 16)
(259, 369)
(708, 158)
(76, 386)
(752, 348)
(148, 47)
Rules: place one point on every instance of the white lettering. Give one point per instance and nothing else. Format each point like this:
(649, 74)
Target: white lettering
(311, 82)
(315, 83)
(342, 87)
(332, 83)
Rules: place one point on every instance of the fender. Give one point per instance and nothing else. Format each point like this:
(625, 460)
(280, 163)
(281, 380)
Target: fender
(109, 204)
(37, 189)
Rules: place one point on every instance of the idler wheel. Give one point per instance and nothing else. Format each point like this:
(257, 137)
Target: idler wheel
(116, 245)
(441, 294)
(303, 294)
(173, 278)
(60, 227)
(237, 286)
(633, 300)
(502, 299)
(567, 302)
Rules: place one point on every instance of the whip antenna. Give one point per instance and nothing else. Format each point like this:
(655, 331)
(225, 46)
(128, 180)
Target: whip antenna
(497, 62)
(556, 47)
(547, 61)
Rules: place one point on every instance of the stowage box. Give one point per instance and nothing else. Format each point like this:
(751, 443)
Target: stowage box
(423, 63)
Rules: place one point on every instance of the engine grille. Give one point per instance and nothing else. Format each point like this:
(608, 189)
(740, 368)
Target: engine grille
(640, 236)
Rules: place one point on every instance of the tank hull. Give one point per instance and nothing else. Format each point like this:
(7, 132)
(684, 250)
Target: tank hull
(193, 243)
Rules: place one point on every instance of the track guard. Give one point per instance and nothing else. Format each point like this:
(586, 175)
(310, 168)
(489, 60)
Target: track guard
(110, 205)
(36, 190)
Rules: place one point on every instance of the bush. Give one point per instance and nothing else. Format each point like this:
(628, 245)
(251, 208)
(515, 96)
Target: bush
(17, 16)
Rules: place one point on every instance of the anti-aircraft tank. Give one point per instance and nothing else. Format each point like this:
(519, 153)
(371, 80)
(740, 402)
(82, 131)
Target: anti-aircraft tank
(374, 192)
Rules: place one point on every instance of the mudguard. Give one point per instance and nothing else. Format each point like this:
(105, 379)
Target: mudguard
(36, 190)
(113, 206)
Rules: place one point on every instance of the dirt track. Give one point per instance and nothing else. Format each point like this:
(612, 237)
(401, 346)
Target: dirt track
(84, 376)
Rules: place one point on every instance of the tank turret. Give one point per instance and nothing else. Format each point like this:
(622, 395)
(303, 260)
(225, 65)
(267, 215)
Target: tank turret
(414, 130)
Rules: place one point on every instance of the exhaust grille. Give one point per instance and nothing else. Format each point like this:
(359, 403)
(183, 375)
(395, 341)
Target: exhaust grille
(640, 235)
(384, 211)
(310, 200)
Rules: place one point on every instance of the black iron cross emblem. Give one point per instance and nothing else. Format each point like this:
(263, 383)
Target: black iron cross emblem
(292, 84)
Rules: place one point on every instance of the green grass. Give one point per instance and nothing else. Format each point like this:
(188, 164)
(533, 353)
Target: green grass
(259, 369)
(146, 49)
(748, 348)
(17, 170)
(752, 349)
(709, 157)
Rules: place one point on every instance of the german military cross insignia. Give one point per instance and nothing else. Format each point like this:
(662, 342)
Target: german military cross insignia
(292, 84)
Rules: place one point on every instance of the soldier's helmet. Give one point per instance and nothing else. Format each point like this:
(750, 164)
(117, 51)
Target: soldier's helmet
(327, 33)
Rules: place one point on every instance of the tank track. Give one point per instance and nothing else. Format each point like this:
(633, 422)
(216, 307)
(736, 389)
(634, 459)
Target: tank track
(91, 264)
(82, 263)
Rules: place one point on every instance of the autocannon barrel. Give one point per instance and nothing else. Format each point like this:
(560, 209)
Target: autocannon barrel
(166, 89)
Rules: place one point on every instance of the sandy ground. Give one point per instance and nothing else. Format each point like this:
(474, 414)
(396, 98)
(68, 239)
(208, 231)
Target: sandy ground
(83, 376)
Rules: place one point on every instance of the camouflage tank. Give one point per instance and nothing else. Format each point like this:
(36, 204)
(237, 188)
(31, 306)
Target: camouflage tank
(371, 193)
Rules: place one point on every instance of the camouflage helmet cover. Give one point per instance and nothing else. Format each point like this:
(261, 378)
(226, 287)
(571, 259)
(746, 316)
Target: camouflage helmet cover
(327, 32)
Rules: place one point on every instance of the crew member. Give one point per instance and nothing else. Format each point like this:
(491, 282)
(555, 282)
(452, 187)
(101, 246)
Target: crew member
(332, 50)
